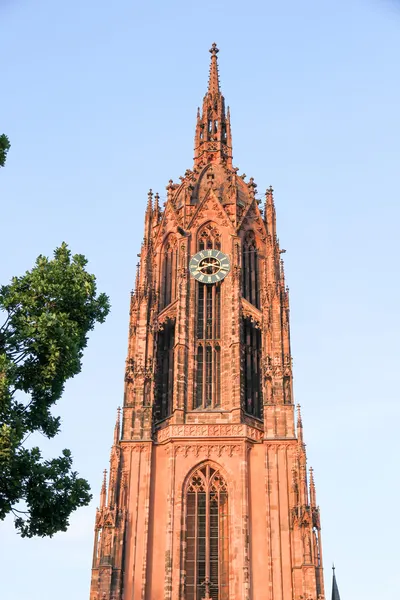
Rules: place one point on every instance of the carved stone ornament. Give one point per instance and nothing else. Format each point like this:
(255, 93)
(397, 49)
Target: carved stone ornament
(136, 369)
(208, 450)
(209, 431)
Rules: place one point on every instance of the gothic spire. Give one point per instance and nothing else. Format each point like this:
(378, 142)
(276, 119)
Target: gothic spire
(213, 139)
(213, 81)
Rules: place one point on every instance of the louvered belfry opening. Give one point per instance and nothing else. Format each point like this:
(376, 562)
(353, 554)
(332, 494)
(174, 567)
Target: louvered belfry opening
(251, 345)
(165, 370)
(207, 543)
(250, 270)
(169, 272)
(208, 332)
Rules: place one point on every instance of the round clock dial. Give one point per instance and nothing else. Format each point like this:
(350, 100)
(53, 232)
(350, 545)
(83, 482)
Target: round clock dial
(209, 266)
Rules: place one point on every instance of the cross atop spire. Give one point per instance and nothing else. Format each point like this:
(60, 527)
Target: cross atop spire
(213, 81)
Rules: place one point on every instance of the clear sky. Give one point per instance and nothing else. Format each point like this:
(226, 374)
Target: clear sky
(99, 101)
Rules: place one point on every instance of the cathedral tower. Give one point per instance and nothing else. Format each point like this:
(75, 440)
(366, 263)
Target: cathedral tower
(208, 494)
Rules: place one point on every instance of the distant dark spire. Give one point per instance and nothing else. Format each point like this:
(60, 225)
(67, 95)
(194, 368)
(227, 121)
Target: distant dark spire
(335, 589)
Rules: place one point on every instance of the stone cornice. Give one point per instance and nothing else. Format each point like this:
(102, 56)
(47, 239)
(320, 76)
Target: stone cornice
(221, 431)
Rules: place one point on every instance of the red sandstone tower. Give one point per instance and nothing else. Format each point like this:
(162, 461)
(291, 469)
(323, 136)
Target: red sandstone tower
(208, 496)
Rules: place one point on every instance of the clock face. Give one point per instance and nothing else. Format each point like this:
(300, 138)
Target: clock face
(209, 266)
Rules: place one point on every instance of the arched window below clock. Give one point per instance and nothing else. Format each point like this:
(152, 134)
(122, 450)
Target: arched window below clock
(169, 267)
(250, 270)
(206, 552)
(209, 238)
(251, 368)
(165, 371)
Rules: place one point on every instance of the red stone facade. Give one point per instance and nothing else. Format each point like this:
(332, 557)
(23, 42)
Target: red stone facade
(208, 494)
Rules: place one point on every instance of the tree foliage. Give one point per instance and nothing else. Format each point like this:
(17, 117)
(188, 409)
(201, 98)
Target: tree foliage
(48, 313)
(4, 148)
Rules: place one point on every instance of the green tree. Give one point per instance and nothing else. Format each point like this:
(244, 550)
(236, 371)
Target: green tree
(4, 148)
(48, 313)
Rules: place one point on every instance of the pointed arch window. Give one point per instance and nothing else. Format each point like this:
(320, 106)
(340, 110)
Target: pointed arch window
(165, 371)
(251, 345)
(208, 331)
(250, 270)
(207, 536)
(169, 272)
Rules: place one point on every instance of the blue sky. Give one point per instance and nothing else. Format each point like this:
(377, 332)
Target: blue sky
(99, 101)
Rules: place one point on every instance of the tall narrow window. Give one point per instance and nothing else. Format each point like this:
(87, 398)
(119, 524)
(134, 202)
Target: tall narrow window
(208, 331)
(207, 543)
(251, 340)
(165, 371)
(169, 272)
(250, 270)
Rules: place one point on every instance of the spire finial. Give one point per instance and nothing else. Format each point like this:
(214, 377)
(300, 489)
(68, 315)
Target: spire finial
(214, 50)
(150, 199)
(213, 82)
(313, 499)
(117, 426)
(137, 279)
(299, 425)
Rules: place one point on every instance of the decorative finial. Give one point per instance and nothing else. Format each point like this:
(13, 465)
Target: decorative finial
(313, 500)
(299, 421)
(137, 279)
(214, 50)
(156, 207)
(103, 492)
(117, 426)
(150, 199)
(299, 425)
